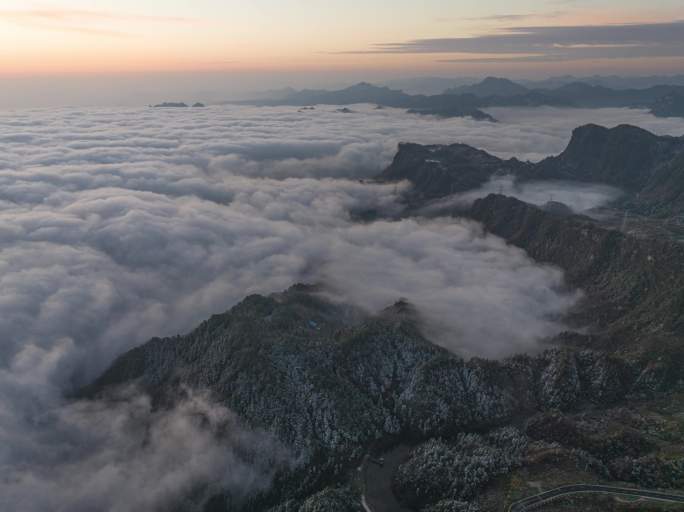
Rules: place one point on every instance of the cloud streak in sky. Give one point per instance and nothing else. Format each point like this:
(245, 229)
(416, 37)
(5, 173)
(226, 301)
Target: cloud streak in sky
(92, 22)
(537, 43)
(517, 17)
(71, 15)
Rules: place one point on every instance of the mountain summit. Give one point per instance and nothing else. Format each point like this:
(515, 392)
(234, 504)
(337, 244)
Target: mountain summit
(491, 86)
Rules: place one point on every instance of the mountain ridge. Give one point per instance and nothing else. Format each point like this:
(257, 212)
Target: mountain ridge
(647, 166)
(439, 105)
(337, 387)
(334, 383)
(635, 286)
(491, 86)
(661, 100)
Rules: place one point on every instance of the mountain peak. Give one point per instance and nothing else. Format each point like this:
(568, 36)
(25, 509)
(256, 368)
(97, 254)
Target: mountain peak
(363, 86)
(624, 133)
(496, 80)
(580, 87)
(402, 308)
(492, 86)
(625, 156)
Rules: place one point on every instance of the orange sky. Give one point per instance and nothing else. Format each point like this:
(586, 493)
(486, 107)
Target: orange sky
(80, 36)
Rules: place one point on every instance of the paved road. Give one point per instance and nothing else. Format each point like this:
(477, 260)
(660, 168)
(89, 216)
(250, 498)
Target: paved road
(362, 470)
(532, 502)
(364, 504)
(377, 494)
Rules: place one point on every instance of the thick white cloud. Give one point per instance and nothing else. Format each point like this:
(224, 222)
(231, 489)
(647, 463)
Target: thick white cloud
(123, 455)
(479, 296)
(134, 146)
(120, 224)
(578, 196)
(110, 267)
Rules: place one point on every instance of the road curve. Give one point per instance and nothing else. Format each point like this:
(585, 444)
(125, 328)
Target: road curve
(362, 471)
(531, 502)
(364, 504)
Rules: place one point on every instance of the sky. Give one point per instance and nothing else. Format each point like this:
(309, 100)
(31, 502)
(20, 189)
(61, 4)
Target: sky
(315, 38)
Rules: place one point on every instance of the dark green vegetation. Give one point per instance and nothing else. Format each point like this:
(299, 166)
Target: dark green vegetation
(634, 286)
(330, 384)
(603, 404)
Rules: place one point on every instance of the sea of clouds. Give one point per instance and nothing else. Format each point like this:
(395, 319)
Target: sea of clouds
(117, 225)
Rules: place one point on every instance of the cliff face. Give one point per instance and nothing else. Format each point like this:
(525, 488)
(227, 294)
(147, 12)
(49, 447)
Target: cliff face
(648, 167)
(663, 195)
(624, 156)
(437, 171)
(634, 286)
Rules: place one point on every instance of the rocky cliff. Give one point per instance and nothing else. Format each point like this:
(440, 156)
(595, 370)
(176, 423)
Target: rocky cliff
(439, 170)
(625, 156)
(648, 167)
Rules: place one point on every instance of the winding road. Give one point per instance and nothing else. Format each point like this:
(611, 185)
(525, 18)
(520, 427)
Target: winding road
(377, 494)
(532, 502)
(364, 504)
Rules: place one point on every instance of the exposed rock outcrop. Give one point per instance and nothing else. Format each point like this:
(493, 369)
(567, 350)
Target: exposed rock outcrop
(648, 167)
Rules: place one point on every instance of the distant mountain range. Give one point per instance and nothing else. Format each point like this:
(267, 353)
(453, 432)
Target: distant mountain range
(436, 85)
(662, 100)
(177, 104)
(491, 86)
(428, 85)
(440, 105)
(469, 101)
(610, 81)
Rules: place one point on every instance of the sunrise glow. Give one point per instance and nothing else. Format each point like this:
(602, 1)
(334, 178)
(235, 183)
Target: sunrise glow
(79, 36)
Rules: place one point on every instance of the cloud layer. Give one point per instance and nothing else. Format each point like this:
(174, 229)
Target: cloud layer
(579, 197)
(121, 224)
(123, 455)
